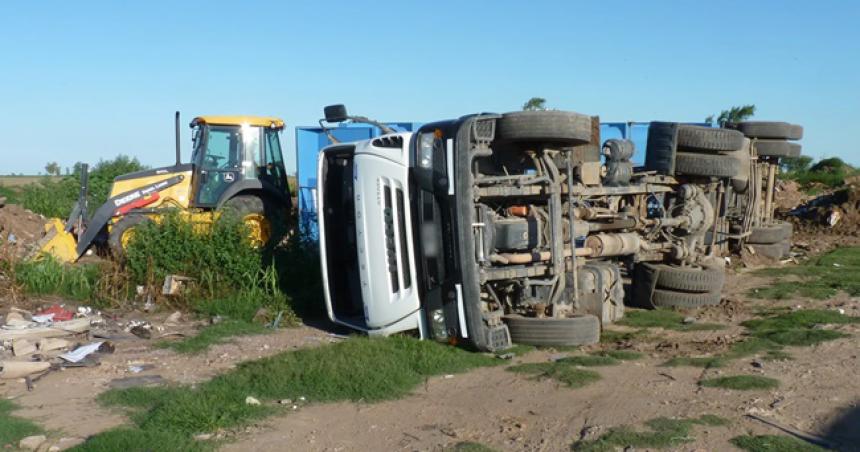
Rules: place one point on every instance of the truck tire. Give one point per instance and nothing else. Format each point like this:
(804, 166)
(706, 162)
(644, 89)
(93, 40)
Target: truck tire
(770, 129)
(120, 233)
(262, 217)
(661, 147)
(777, 148)
(774, 233)
(561, 127)
(708, 139)
(690, 279)
(723, 166)
(578, 330)
(740, 183)
(663, 298)
(777, 250)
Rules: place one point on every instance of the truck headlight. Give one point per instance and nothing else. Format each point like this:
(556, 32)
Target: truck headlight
(426, 142)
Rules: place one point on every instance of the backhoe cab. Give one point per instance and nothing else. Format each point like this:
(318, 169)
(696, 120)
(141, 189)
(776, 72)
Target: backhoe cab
(236, 166)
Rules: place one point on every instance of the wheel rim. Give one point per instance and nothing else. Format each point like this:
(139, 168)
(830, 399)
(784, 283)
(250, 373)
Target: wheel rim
(259, 229)
(126, 237)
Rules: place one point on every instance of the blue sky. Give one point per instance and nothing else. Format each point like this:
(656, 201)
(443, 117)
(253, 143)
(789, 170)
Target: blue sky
(89, 80)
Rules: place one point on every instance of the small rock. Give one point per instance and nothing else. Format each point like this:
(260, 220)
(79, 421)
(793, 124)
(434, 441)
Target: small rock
(141, 332)
(286, 401)
(251, 401)
(174, 319)
(32, 442)
(689, 320)
(757, 363)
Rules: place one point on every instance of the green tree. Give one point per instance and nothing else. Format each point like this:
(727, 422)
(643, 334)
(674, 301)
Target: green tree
(796, 164)
(535, 104)
(52, 168)
(734, 114)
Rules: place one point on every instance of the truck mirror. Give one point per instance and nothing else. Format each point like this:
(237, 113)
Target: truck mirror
(335, 113)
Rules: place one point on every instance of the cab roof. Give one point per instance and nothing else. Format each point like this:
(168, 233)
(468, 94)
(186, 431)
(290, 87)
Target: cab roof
(260, 121)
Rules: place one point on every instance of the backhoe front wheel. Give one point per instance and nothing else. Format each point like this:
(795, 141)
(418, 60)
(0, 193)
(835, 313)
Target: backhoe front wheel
(259, 216)
(121, 233)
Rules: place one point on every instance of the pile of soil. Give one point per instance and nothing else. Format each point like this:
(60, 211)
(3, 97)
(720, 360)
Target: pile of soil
(788, 195)
(836, 213)
(20, 229)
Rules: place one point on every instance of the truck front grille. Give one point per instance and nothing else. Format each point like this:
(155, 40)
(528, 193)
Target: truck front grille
(394, 215)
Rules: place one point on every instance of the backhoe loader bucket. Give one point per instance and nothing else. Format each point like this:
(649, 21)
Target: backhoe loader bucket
(57, 242)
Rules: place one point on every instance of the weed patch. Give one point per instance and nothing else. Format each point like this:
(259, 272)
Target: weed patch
(12, 428)
(821, 278)
(741, 382)
(773, 443)
(330, 373)
(659, 318)
(621, 355)
(565, 373)
(664, 433)
(214, 334)
(47, 276)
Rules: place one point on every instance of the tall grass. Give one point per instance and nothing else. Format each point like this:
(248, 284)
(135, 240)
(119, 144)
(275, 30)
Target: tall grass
(47, 276)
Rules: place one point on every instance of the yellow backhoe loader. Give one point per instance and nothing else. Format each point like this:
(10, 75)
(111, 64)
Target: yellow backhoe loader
(236, 165)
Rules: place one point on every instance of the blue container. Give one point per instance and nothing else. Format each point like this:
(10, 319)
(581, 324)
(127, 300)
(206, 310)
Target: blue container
(309, 142)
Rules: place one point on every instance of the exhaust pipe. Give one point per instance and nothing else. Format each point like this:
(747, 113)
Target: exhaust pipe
(178, 157)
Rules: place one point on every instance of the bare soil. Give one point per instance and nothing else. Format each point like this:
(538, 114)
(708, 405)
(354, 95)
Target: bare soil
(20, 229)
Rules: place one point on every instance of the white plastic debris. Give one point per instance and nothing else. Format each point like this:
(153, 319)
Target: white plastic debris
(251, 401)
(81, 352)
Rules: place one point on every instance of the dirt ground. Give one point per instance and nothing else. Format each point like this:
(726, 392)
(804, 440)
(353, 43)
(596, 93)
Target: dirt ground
(20, 229)
(495, 407)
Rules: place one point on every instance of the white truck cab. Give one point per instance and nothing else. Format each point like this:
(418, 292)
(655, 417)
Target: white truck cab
(366, 246)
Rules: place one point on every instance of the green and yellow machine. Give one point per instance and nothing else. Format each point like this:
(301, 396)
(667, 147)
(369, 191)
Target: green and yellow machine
(236, 165)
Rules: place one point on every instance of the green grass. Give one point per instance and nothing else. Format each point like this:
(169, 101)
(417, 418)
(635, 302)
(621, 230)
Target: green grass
(47, 276)
(768, 336)
(12, 428)
(214, 334)
(664, 433)
(820, 278)
(357, 369)
(565, 373)
(622, 355)
(741, 382)
(773, 443)
(589, 360)
(469, 446)
(660, 318)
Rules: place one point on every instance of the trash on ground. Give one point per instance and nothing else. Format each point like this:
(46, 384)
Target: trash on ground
(19, 369)
(81, 352)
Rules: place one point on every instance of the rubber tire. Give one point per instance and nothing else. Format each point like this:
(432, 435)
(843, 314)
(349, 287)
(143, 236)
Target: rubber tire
(661, 147)
(561, 127)
(777, 148)
(775, 233)
(119, 228)
(723, 166)
(741, 182)
(644, 281)
(708, 139)
(777, 250)
(674, 299)
(250, 204)
(689, 279)
(770, 129)
(578, 330)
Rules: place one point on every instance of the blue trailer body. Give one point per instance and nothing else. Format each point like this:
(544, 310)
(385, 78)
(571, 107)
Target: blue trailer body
(309, 142)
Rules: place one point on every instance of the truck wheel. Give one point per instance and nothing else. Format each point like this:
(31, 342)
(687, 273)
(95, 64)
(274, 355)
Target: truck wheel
(561, 127)
(121, 233)
(708, 139)
(777, 250)
(644, 281)
(777, 232)
(770, 129)
(777, 148)
(690, 279)
(663, 298)
(723, 166)
(258, 214)
(661, 147)
(578, 330)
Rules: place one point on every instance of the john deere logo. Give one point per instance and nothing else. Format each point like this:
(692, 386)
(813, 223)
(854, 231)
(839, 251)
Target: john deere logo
(229, 177)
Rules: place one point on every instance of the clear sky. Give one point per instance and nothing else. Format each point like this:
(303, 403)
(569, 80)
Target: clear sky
(90, 79)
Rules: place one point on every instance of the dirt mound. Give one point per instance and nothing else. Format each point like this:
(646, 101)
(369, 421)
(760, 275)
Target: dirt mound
(788, 195)
(836, 213)
(20, 229)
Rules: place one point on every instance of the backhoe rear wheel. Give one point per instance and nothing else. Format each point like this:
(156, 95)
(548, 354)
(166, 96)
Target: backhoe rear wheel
(121, 233)
(259, 215)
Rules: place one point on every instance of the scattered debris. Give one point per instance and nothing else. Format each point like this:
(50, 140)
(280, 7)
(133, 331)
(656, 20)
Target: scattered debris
(81, 352)
(19, 369)
(57, 329)
(57, 313)
(173, 319)
(173, 284)
(23, 347)
(32, 442)
(251, 401)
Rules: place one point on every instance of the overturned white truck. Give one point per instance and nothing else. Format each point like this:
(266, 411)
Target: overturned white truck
(519, 227)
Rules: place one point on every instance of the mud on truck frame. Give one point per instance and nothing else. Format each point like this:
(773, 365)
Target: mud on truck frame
(518, 227)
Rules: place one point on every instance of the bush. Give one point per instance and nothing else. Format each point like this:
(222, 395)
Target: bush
(56, 198)
(47, 276)
(830, 172)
